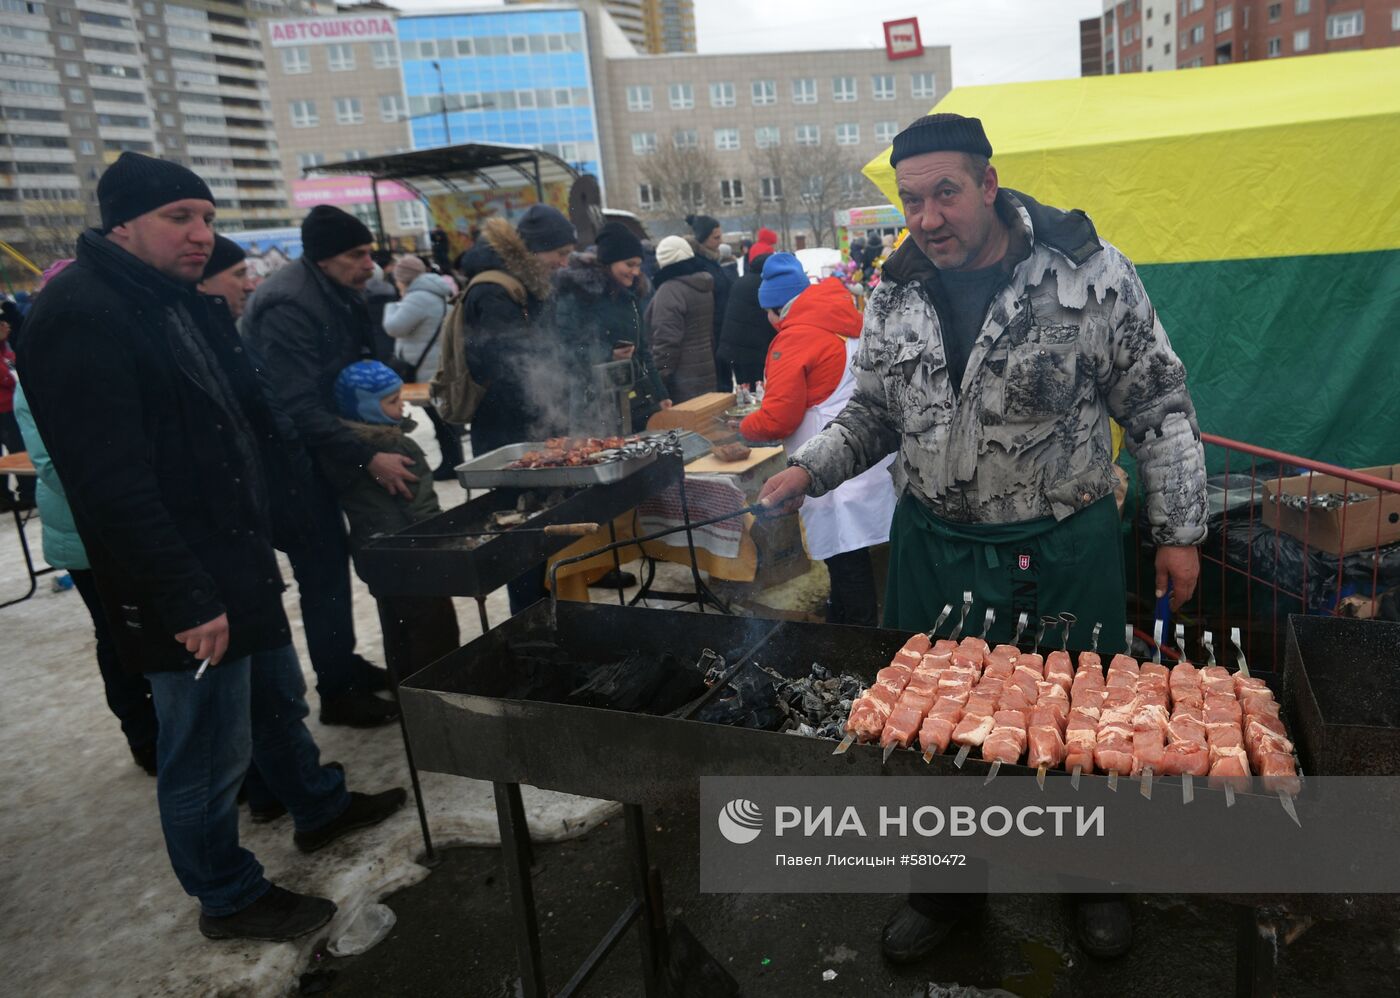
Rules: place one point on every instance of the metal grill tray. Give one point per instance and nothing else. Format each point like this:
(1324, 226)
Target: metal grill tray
(491, 471)
(427, 566)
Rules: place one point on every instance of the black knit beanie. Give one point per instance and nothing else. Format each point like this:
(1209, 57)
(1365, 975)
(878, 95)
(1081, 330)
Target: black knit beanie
(616, 242)
(136, 184)
(701, 226)
(941, 133)
(227, 253)
(544, 228)
(327, 231)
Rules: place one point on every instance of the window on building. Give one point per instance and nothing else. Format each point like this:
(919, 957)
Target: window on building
(1395, 19)
(1224, 18)
(562, 97)
(351, 154)
(348, 111)
(722, 95)
(67, 43)
(885, 131)
(770, 189)
(848, 134)
(692, 195)
(682, 96)
(1302, 6)
(1275, 48)
(526, 99)
(76, 95)
(410, 215)
(804, 91)
(392, 107)
(1275, 12)
(1166, 48)
(428, 49)
(648, 197)
(72, 70)
(639, 98)
(1195, 36)
(1348, 25)
(85, 147)
(843, 89)
(304, 114)
(465, 47)
(519, 44)
(384, 54)
(882, 86)
(765, 92)
(923, 86)
(767, 136)
(1192, 7)
(340, 58)
(685, 138)
(309, 160)
(726, 139)
(1302, 40)
(643, 143)
(808, 135)
(296, 60)
(731, 193)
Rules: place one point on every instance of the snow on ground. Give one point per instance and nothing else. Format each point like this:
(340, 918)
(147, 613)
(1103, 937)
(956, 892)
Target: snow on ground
(88, 901)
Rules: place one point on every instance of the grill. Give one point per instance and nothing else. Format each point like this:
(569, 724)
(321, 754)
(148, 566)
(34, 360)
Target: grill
(426, 566)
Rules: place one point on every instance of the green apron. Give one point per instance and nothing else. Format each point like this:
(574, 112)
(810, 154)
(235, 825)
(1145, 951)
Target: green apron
(1037, 567)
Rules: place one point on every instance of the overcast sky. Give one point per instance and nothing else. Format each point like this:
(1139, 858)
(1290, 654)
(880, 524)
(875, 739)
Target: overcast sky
(993, 41)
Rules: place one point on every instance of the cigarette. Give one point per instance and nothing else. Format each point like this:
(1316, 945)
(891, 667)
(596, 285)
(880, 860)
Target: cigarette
(199, 674)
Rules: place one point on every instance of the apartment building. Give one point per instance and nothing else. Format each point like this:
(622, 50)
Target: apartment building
(337, 94)
(81, 81)
(1148, 35)
(751, 113)
(652, 26)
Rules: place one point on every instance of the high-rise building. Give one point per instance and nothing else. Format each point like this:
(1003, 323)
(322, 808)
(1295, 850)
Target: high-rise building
(1154, 35)
(337, 94)
(519, 75)
(1091, 47)
(81, 81)
(654, 27)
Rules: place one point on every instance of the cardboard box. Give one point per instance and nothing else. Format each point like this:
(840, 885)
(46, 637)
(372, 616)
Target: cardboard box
(1358, 526)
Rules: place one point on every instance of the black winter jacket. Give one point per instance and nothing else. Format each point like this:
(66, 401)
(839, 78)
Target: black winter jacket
(306, 329)
(508, 350)
(154, 457)
(746, 333)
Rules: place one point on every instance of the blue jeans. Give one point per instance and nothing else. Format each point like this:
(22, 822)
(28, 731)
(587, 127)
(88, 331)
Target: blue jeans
(247, 708)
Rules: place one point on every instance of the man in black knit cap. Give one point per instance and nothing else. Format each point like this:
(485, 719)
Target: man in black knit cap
(1004, 337)
(307, 322)
(173, 465)
(226, 275)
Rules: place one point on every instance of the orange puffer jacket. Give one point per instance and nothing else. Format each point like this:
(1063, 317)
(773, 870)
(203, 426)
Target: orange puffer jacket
(805, 360)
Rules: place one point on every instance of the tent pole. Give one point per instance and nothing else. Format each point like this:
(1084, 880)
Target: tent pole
(378, 214)
(539, 187)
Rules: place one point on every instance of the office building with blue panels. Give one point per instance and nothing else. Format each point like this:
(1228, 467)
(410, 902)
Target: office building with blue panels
(519, 76)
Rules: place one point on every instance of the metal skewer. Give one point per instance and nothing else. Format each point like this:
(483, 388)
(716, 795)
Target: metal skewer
(1145, 787)
(987, 622)
(1208, 640)
(1239, 651)
(962, 755)
(1069, 620)
(1157, 640)
(962, 618)
(928, 756)
(889, 751)
(1074, 777)
(1040, 776)
(1188, 789)
(1046, 622)
(1287, 803)
(1181, 641)
(846, 743)
(1113, 780)
(1229, 795)
(1021, 622)
(1094, 638)
(553, 530)
(992, 773)
(947, 610)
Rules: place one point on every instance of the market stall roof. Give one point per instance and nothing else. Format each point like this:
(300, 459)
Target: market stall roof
(474, 166)
(1278, 157)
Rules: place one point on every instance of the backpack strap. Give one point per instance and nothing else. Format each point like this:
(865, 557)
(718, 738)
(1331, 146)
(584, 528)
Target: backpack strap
(513, 287)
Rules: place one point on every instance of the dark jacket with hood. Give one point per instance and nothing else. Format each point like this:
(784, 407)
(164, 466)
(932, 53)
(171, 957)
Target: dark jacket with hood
(724, 281)
(746, 333)
(508, 349)
(369, 508)
(591, 312)
(306, 329)
(168, 450)
(680, 322)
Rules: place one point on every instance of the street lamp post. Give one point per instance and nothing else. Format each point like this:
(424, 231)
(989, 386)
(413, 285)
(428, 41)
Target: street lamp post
(442, 93)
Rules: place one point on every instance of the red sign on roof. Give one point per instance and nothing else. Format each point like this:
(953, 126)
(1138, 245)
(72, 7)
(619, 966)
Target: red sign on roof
(902, 40)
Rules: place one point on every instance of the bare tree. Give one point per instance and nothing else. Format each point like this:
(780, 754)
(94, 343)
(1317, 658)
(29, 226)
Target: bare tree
(824, 182)
(51, 230)
(775, 191)
(683, 179)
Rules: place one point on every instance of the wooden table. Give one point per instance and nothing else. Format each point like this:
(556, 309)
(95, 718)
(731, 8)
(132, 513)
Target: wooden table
(20, 466)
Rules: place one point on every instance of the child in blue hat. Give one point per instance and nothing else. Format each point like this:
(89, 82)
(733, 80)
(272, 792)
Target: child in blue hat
(369, 399)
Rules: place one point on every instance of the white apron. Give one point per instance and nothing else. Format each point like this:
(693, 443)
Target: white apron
(858, 513)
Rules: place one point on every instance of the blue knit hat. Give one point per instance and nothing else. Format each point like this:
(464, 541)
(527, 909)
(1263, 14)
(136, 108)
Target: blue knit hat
(783, 280)
(360, 388)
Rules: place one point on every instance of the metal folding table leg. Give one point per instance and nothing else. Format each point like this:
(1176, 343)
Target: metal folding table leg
(481, 612)
(28, 563)
(515, 851)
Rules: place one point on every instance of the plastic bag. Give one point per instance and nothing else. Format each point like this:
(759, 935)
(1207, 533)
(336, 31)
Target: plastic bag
(366, 930)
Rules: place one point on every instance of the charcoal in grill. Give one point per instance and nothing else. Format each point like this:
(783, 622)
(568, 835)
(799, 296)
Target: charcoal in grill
(640, 683)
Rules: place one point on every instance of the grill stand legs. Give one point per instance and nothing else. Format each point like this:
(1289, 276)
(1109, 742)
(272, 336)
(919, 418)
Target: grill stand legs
(1256, 955)
(391, 662)
(645, 908)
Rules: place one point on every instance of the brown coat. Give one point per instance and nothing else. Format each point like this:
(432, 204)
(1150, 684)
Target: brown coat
(680, 322)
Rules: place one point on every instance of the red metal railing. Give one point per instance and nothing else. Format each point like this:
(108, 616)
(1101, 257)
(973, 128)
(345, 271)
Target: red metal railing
(1240, 589)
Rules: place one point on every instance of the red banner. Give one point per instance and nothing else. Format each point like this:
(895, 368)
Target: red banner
(902, 39)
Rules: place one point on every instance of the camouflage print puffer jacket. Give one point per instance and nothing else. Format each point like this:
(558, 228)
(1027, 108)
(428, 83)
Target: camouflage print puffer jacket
(1070, 340)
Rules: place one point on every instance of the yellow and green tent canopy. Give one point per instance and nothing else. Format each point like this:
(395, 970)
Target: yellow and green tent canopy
(1261, 204)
